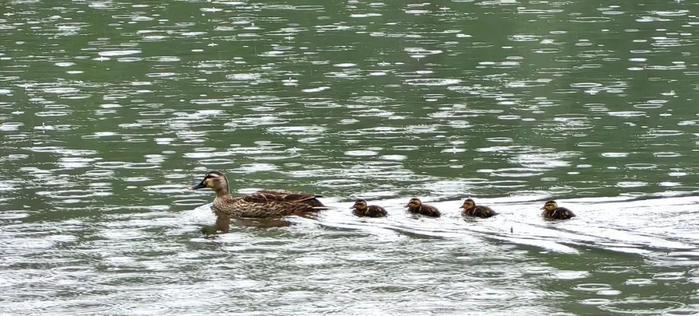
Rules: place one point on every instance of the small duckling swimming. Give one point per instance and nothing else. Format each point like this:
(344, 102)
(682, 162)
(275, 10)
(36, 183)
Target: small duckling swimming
(261, 204)
(415, 206)
(361, 209)
(552, 211)
(471, 209)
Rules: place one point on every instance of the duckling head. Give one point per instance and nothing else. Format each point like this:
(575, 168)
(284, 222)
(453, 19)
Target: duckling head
(468, 204)
(414, 203)
(214, 180)
(360, 205)
(550, 206)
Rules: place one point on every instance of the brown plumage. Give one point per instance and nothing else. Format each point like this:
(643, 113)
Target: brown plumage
(261, 204)
(361, 209)
(415, 206)
(471, 209)
(552, 211)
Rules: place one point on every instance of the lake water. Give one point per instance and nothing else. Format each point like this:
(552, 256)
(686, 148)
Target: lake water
(109, 110)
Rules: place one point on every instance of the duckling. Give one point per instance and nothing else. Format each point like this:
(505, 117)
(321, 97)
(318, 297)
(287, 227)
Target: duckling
(415, 206)
(471, 209)
(552, 211)
(261, 204)
(361, 209)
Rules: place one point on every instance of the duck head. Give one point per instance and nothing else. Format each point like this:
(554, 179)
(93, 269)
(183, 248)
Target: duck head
(214, 180)
(360, 205)
(550, 206)
(468, 204)
(414, 203)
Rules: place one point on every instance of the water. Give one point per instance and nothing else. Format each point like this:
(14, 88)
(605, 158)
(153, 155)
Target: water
(110, 109)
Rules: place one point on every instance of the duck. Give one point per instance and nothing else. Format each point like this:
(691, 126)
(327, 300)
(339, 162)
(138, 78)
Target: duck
(261, 204)
(471, 209)
(552, 211)
(415, 206)
(361, 209)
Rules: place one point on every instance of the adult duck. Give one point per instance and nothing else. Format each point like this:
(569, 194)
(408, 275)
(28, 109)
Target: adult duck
(261, 204)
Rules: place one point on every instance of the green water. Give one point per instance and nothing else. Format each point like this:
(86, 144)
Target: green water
(110, 109)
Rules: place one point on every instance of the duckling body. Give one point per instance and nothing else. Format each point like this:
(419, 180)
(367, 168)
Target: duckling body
(261, 204)
(415, 206)
(471, 209)
(361, 209)
(552, 211)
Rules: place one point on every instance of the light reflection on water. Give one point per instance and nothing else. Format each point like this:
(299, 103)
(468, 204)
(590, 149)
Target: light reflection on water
(393, 260)
(110, 110)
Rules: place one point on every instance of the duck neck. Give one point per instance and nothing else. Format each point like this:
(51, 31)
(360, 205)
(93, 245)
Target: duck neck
(222, 192)
(223, 223)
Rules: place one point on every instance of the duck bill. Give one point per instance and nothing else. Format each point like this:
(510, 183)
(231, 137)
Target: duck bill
(461, 206)
(199, 186)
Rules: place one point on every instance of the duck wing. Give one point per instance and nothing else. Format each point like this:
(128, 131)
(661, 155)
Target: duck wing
(283, 196)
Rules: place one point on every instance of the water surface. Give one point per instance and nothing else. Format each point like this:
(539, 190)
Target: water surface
(109, 109)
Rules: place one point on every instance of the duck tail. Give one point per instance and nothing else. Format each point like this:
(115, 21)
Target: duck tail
(311, 200)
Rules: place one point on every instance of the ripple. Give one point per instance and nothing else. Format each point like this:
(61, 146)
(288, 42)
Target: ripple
(12, 215)
(590, 144)
(340, 183)
(315, 90)
(641, 166)
(115, 53)
(10, 126)
(141, 165)
(61, 90)
(641, 307)
(394, 157)
(70, 194)
(216, 161)
(167, 188)
(639, 282)
(432, 82)
(256, 167)
(614, 155)
(244, 76)
(190, 202)
(592, 287)
(608, 292)
(595, 301)
(298, 130)
(76, 162)
(627, 113)
(585, 85)
(669, 276)
(631, 184)
(110, 164)
(499, 139)
(664, 133)
(361, 153)
(515, 172)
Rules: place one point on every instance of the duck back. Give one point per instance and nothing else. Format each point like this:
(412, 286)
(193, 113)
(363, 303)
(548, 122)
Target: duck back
(480, 211)
(283, 196)
(559, 213)
(371, 211)
(427, 210)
